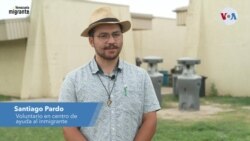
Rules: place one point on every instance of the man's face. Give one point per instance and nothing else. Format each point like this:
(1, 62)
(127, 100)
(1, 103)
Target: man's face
(107, 41)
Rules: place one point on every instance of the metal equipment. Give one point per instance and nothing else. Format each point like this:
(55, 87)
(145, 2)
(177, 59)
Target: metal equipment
(155, 76)
(188, 85)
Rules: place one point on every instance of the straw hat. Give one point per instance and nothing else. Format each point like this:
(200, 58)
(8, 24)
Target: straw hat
(104, 15)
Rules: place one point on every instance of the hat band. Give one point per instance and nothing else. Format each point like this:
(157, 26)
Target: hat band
(106, 20)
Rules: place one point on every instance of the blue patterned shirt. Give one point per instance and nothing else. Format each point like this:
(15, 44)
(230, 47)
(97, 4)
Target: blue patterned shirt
(132, 96)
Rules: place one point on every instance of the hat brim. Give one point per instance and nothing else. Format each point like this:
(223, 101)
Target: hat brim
(126, 25)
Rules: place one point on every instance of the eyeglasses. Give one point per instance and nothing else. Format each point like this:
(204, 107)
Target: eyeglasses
(106, 36)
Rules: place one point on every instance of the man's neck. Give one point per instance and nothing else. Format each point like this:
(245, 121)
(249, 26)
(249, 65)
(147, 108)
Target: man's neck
(106, 65)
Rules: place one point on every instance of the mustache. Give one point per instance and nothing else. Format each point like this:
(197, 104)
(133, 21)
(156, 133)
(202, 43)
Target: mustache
(111, 47)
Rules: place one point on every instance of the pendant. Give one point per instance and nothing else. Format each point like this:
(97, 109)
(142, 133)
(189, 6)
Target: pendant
(109, 102)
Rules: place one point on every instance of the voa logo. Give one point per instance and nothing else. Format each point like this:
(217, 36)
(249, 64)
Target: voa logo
(229, 16)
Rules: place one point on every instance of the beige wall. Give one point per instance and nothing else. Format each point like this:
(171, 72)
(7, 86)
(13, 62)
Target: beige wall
(223, 49)
(11, 66)
(165, 40)
(55, 46)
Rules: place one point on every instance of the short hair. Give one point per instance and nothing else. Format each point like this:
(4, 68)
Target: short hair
(91, 32)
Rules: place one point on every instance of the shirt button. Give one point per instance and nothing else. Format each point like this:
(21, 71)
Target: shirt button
(113, 129)
(112, 111)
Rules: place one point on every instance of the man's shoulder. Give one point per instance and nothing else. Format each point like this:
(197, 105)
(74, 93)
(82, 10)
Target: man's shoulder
(77, 71)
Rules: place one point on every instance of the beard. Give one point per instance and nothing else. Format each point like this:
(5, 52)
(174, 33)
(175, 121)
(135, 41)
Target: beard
(104, 53)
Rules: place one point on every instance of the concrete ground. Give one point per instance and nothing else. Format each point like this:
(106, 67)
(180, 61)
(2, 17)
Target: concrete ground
(166, 90)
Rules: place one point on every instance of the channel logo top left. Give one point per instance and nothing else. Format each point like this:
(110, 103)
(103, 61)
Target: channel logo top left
(12, 9)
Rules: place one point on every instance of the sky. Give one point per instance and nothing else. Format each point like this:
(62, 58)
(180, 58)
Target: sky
(157, 8)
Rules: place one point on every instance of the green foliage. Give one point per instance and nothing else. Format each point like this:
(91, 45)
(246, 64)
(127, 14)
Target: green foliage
(5, 98)
(213, 90)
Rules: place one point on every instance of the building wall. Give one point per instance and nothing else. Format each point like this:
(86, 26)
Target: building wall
(55, 46)
(11, 66)
(223, 49)
(165, 40)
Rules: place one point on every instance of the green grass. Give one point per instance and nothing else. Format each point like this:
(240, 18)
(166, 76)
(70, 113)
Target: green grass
(217, 130)
(226, 126)
(31, 134)
(234, 101)
(168, 100)
(5, 98)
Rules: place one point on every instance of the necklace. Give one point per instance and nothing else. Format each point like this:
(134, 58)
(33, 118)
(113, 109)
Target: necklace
(109, 101)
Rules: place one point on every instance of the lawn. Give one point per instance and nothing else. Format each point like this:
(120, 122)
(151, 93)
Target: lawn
(226, 126)
(31, 134)
(233, 125)
(5, 98)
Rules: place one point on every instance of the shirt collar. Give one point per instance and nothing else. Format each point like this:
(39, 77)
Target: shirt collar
(95, 68)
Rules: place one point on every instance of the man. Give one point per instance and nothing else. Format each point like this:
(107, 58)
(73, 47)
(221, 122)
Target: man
(130, 102)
